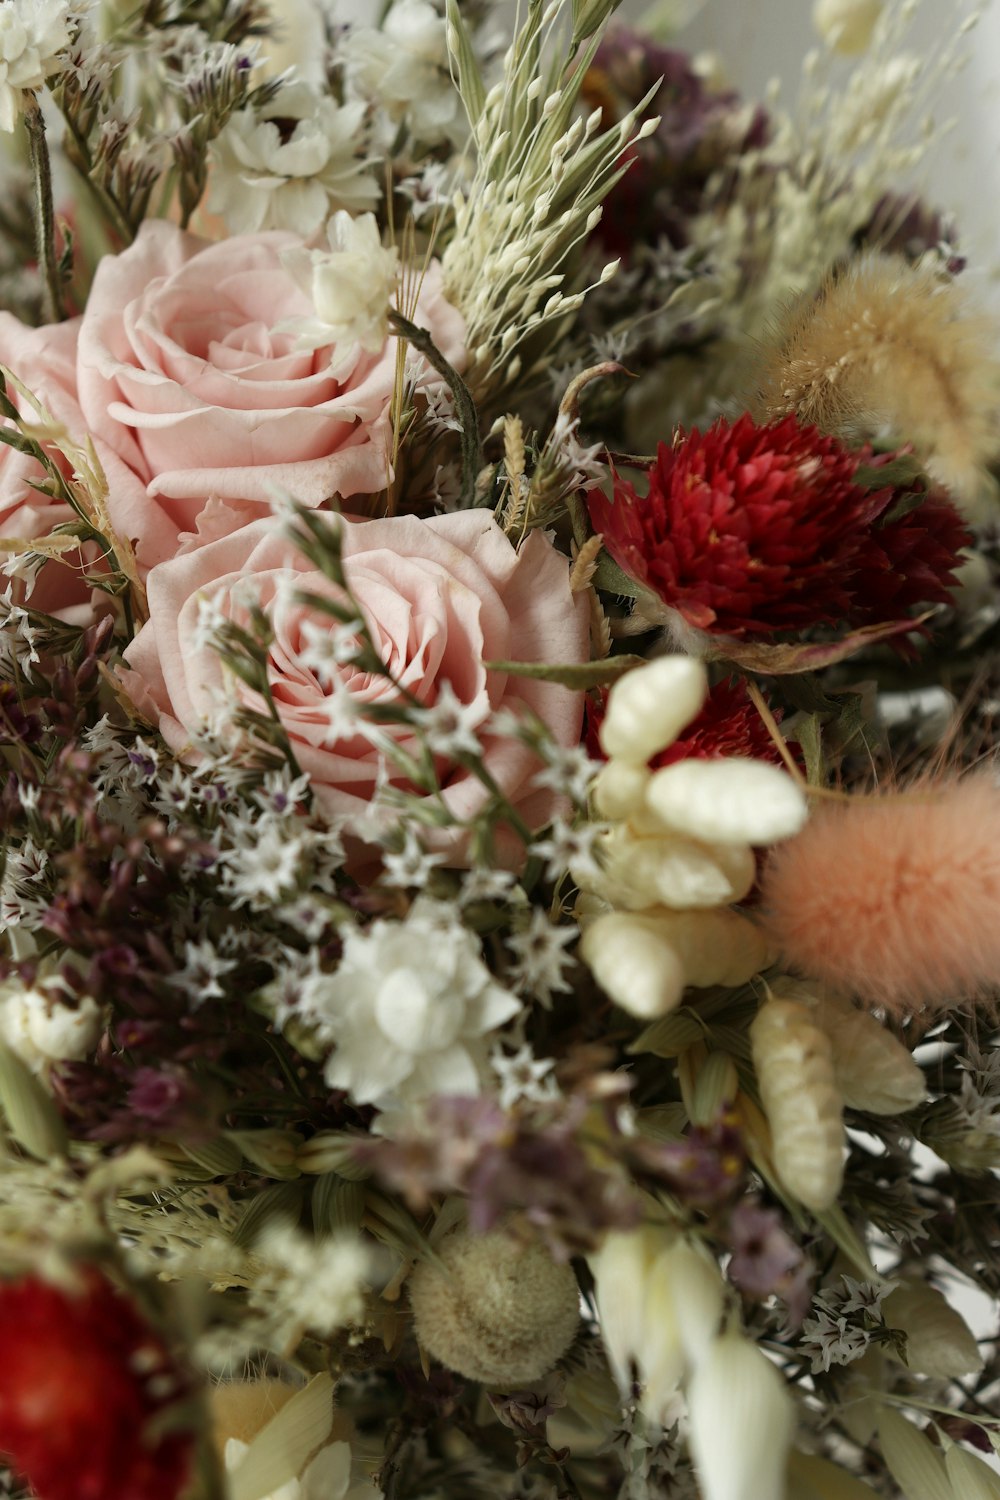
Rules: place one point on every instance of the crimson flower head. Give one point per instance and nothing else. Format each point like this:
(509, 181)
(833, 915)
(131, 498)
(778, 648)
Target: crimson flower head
(751, 530)
(83, 1381)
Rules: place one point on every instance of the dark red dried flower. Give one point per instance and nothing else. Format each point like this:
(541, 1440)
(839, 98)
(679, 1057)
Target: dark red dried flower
(753, 530)
(82, 1380)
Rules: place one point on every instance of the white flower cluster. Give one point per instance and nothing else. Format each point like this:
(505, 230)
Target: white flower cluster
(41, 1029)
(406, 1011)
(404, 69)
(290, 164)
(680, 849)
(32, 34)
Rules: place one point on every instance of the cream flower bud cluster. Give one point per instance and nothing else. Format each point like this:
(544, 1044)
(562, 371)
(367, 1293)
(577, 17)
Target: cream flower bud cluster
(814, 1053)
(679, 849)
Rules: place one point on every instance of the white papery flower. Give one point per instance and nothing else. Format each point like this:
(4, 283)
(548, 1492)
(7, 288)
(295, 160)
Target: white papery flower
(32, 33)
(407, 1009)
(404, 69)
(290, 164)
(42, 1030)
(319, 1284)
(351, 286)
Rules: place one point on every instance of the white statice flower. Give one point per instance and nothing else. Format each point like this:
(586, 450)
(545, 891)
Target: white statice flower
(314, 1285)
(541, 958)
(32, 34)
(23, 897)
(482, 884)
(428, 190)
(327, 645)
(41, 1029)
(831, 1340)
(290, 164)
(18, 651)
(404, 69)
(407, 1009)
(351, 286)
(568, 770)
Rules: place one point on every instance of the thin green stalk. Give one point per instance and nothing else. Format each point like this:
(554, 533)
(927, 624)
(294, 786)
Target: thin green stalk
(45, 224)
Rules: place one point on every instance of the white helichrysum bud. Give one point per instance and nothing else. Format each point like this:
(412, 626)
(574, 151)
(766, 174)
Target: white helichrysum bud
(498, 1310)
(619, 788)
(728, 801)
(634, 963)
(939, 1342)
(741, 1419)
(675, 871)
(847, 26)
(660, 1304)
(873, 1069)
(793, 1060)
(720, 946)
(43, 1031)
(649, 706)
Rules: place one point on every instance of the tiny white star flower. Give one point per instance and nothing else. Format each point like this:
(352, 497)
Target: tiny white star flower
(410, 866)
(265, 868)
(540, 951)
(522, 1075)
(449, 726)
(569, 772)
(210, 619)
(570, 848)
(481, 884)
(327, 645)
(203, 968)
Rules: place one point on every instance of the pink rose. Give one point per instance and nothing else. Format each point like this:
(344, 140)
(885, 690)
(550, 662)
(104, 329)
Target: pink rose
(182, 375)
(44, 360)
(440, 598)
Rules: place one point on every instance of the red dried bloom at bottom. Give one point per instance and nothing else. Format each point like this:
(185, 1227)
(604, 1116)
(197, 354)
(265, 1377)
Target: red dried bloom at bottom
(752, 530)
(81, 1379)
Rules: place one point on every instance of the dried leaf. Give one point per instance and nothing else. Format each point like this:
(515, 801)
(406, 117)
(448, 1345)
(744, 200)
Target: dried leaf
(799, 656)
(579, 675)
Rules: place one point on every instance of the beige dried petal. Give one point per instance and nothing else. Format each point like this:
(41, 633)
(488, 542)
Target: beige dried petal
(733, 800)
(873, 1069)
(634, 961)
(939, 1342)
(674, 871)
(793, 1059)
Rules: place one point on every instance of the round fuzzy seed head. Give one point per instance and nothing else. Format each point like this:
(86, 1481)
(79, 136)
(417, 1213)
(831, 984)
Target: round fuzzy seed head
(501, 1312)
(894, 897)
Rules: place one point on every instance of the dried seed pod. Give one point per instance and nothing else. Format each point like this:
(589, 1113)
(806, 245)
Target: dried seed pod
(675, 871)
(497, 1310)
(635, 963)
(794, 1062)
(648, 707)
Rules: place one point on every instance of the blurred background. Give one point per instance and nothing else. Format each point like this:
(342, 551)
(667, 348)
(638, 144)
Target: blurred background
(766, 40)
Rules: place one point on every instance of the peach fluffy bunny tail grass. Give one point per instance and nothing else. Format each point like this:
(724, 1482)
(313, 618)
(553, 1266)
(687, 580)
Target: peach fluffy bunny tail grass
(895, 896)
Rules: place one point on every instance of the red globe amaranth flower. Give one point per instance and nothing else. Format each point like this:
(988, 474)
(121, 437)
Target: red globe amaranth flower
(81, 1379)
(751, 530)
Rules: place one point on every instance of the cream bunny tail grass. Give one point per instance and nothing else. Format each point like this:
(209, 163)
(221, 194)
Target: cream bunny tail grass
(891, 352)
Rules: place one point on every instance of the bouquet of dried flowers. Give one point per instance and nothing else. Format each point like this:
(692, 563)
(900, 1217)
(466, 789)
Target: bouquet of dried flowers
(500, 833)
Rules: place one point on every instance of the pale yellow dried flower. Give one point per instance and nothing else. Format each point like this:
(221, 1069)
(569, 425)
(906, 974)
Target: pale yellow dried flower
(496, 1309)
(893, 352)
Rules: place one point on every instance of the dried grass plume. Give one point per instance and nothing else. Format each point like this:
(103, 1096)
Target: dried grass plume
(892, 352)
(895, 896)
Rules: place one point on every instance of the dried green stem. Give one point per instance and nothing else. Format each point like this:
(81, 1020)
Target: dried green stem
(45, 237)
